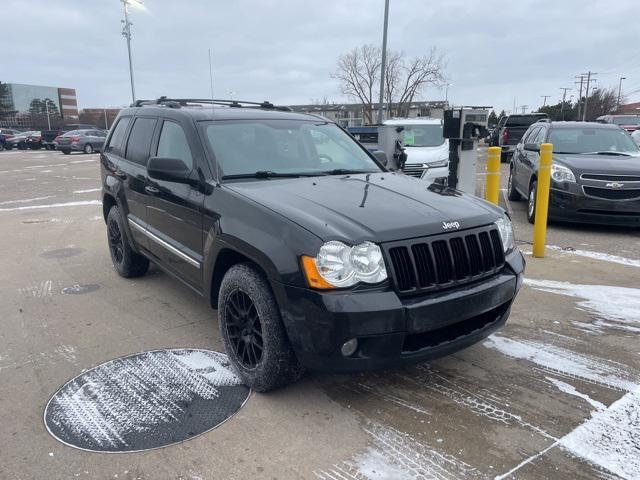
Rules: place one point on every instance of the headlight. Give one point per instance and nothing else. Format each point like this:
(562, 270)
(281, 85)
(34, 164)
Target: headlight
(506, 233)
(340, 265)
(562, 174)
(440, 163)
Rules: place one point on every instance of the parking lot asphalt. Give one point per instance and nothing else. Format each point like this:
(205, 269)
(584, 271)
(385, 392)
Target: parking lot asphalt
(554, 394)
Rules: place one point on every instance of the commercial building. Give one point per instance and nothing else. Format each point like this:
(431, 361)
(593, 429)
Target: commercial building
(29, 105)
(352, 114)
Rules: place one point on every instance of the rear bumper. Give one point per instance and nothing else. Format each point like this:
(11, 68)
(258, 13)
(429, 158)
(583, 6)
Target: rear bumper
(393, 331)
(69, 147)
(574, 206)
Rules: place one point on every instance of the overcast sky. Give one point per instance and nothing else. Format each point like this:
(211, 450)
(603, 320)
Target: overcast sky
(286, 50)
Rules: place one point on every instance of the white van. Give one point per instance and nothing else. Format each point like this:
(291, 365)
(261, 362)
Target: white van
(427, 150)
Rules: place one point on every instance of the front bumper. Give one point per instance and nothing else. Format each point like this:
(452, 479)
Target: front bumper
(393, 331)
(568, 203)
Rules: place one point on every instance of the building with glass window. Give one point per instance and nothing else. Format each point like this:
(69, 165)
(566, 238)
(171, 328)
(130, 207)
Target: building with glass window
(24, 105)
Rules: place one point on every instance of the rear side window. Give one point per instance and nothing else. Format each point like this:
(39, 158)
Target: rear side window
(117, 137)
(530, 134)
(139, 141)
(173, 143)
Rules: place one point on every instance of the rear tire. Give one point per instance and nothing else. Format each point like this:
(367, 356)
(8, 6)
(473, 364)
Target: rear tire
(531, 202)
(126, 262)
(66, 152)
(88, 148)
(252, 331)
(512, 193)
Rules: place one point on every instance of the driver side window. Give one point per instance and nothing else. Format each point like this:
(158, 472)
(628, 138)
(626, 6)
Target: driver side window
(173, 143)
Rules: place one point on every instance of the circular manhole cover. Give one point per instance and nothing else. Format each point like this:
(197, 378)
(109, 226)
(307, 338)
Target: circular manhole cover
(146, 400)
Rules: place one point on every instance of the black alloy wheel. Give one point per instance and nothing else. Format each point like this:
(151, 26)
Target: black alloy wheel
(244, 329)
(116, 242)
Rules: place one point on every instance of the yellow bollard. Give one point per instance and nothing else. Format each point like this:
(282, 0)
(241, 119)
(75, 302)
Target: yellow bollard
(542, 199)
(492, 189)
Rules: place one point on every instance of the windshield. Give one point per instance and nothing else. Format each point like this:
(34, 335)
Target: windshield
(244, 147)
(590, 140)
(626, 120)
(423, 135)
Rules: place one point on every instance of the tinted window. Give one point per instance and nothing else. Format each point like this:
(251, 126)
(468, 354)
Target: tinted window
(530, 134)
(282, 146)
(523, 120)
(117, 137)
(139, 141)
(173, 143)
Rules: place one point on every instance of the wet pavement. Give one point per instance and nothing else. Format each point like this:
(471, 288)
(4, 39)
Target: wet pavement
(554, 394)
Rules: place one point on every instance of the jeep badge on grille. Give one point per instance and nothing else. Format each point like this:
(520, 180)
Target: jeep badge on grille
(450, 225)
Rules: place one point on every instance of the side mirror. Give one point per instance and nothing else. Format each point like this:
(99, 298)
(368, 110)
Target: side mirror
(170, 170)
(381, 157)
(532, 147)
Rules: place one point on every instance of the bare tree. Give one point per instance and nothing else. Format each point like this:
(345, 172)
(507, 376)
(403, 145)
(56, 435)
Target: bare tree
(358, 72)
(405, 79)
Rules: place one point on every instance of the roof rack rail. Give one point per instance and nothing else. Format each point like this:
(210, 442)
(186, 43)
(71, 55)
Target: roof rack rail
(183, 102)
(543, 120)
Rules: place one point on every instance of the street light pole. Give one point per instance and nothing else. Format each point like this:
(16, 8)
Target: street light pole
(446, 92)
(126, 33)
(619, 91)
(384, 61)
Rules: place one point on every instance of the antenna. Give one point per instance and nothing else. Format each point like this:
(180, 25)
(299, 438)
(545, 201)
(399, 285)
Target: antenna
(211, 79)
(218, 173)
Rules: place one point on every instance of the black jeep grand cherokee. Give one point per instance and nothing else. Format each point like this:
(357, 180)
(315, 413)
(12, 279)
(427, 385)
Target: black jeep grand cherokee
(313, 253)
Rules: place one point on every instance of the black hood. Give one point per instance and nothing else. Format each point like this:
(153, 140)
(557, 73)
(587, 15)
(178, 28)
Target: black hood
(379, 207)
(604, 164)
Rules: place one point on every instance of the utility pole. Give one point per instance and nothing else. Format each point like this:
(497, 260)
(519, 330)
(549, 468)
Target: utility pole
(586, 94)
(564, 95)
(619, 91)
(524, 108)
(106, 124)
(581, 77)
(46, 107)
(126, 33)
(384, 60)
(544, 102)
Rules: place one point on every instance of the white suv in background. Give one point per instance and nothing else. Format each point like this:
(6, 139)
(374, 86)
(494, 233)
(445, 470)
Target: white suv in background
(427, 150)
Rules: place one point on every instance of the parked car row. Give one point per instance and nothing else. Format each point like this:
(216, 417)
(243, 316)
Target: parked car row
(74, 137)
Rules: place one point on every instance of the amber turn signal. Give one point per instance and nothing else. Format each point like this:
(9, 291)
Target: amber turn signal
(314, 279)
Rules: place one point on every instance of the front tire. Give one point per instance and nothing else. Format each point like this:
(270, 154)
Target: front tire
(531, 203)
(252, 331)
(512, 193)
(126, 262)
(66, 152)
(88, 148)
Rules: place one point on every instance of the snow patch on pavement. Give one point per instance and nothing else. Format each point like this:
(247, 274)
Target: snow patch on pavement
(598, 256)
(571, 390)
(611, 438)
(53, 205)
(566, 363)
(620, 305)
(26, 200)
(395, 455)
(87, 191)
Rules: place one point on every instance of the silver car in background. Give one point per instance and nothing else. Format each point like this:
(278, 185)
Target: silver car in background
(87, 141)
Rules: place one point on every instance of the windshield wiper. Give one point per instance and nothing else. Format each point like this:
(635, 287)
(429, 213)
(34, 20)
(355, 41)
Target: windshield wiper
(346, 171)
(606, 152)
(269, 174)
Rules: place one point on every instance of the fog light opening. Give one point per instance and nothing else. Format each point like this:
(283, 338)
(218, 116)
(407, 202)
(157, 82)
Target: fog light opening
(349, 347)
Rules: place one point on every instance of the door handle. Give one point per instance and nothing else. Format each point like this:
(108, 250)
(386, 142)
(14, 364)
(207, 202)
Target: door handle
(151, 190)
